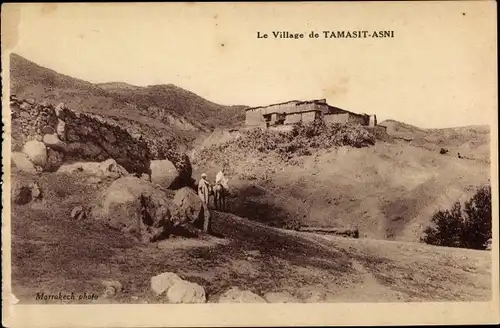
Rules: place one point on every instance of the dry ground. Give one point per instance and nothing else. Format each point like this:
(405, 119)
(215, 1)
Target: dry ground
(388, 191)
(52, 253)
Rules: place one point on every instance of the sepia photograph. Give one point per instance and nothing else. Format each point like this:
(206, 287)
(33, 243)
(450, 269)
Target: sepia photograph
(301, 159)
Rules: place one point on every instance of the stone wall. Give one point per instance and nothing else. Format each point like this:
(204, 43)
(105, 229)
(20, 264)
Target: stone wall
(89, 137)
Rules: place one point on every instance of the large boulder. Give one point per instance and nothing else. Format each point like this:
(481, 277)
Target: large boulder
(164, 173)
(162, 282)
(36, 152)
(108, 168)
(135, 206)
(52, 141)
(236, 295)
(192, 209)
(186, 292)
(111, 166)
(22, 162)
(177, 290)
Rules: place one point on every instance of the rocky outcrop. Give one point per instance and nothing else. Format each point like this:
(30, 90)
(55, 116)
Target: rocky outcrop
(136, 207)
(73, 136)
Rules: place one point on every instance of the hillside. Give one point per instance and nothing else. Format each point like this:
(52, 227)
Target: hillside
(389, 190)
(167, 109)
(75, 256)
(184, 102)
(470, 141)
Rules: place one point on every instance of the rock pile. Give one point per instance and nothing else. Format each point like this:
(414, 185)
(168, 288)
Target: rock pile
(51, 135)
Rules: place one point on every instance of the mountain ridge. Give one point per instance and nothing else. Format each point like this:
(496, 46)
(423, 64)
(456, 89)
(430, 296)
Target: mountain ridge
(180, 111)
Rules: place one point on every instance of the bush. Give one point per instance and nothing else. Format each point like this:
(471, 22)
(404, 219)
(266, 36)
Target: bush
(304, 137)
(469, 227)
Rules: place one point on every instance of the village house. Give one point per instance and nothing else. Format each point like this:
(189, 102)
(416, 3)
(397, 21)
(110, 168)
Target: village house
(292, 112)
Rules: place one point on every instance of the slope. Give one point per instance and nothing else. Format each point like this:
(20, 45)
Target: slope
(471, 142)
(388, 191)
(182, 101)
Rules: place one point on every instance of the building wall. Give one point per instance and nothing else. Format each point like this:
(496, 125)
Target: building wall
(309, 117)
(293, 118)
(333, 110)
(295, 113)
(305, 117)
(254, 117)
(336, 118)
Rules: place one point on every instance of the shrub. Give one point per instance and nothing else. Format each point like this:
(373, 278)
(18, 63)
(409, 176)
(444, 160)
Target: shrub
(443, 151)
(478, 219)
(469, 227)
(304, 137)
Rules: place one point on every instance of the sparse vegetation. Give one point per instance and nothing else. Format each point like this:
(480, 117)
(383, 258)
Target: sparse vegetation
(469, 227)
(304, 137)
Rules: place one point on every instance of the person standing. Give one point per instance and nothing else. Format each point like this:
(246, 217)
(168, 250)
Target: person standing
(204, 188)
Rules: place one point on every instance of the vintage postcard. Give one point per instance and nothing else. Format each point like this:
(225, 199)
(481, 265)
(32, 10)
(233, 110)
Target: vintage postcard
(249, 164)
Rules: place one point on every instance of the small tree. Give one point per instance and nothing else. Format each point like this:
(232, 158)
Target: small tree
(447, 229)
(467, 228)
(477, 220)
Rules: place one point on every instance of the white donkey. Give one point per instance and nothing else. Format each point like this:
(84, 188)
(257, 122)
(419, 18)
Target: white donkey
(220, 190)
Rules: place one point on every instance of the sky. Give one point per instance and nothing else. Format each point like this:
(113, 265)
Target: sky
(439, 70)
